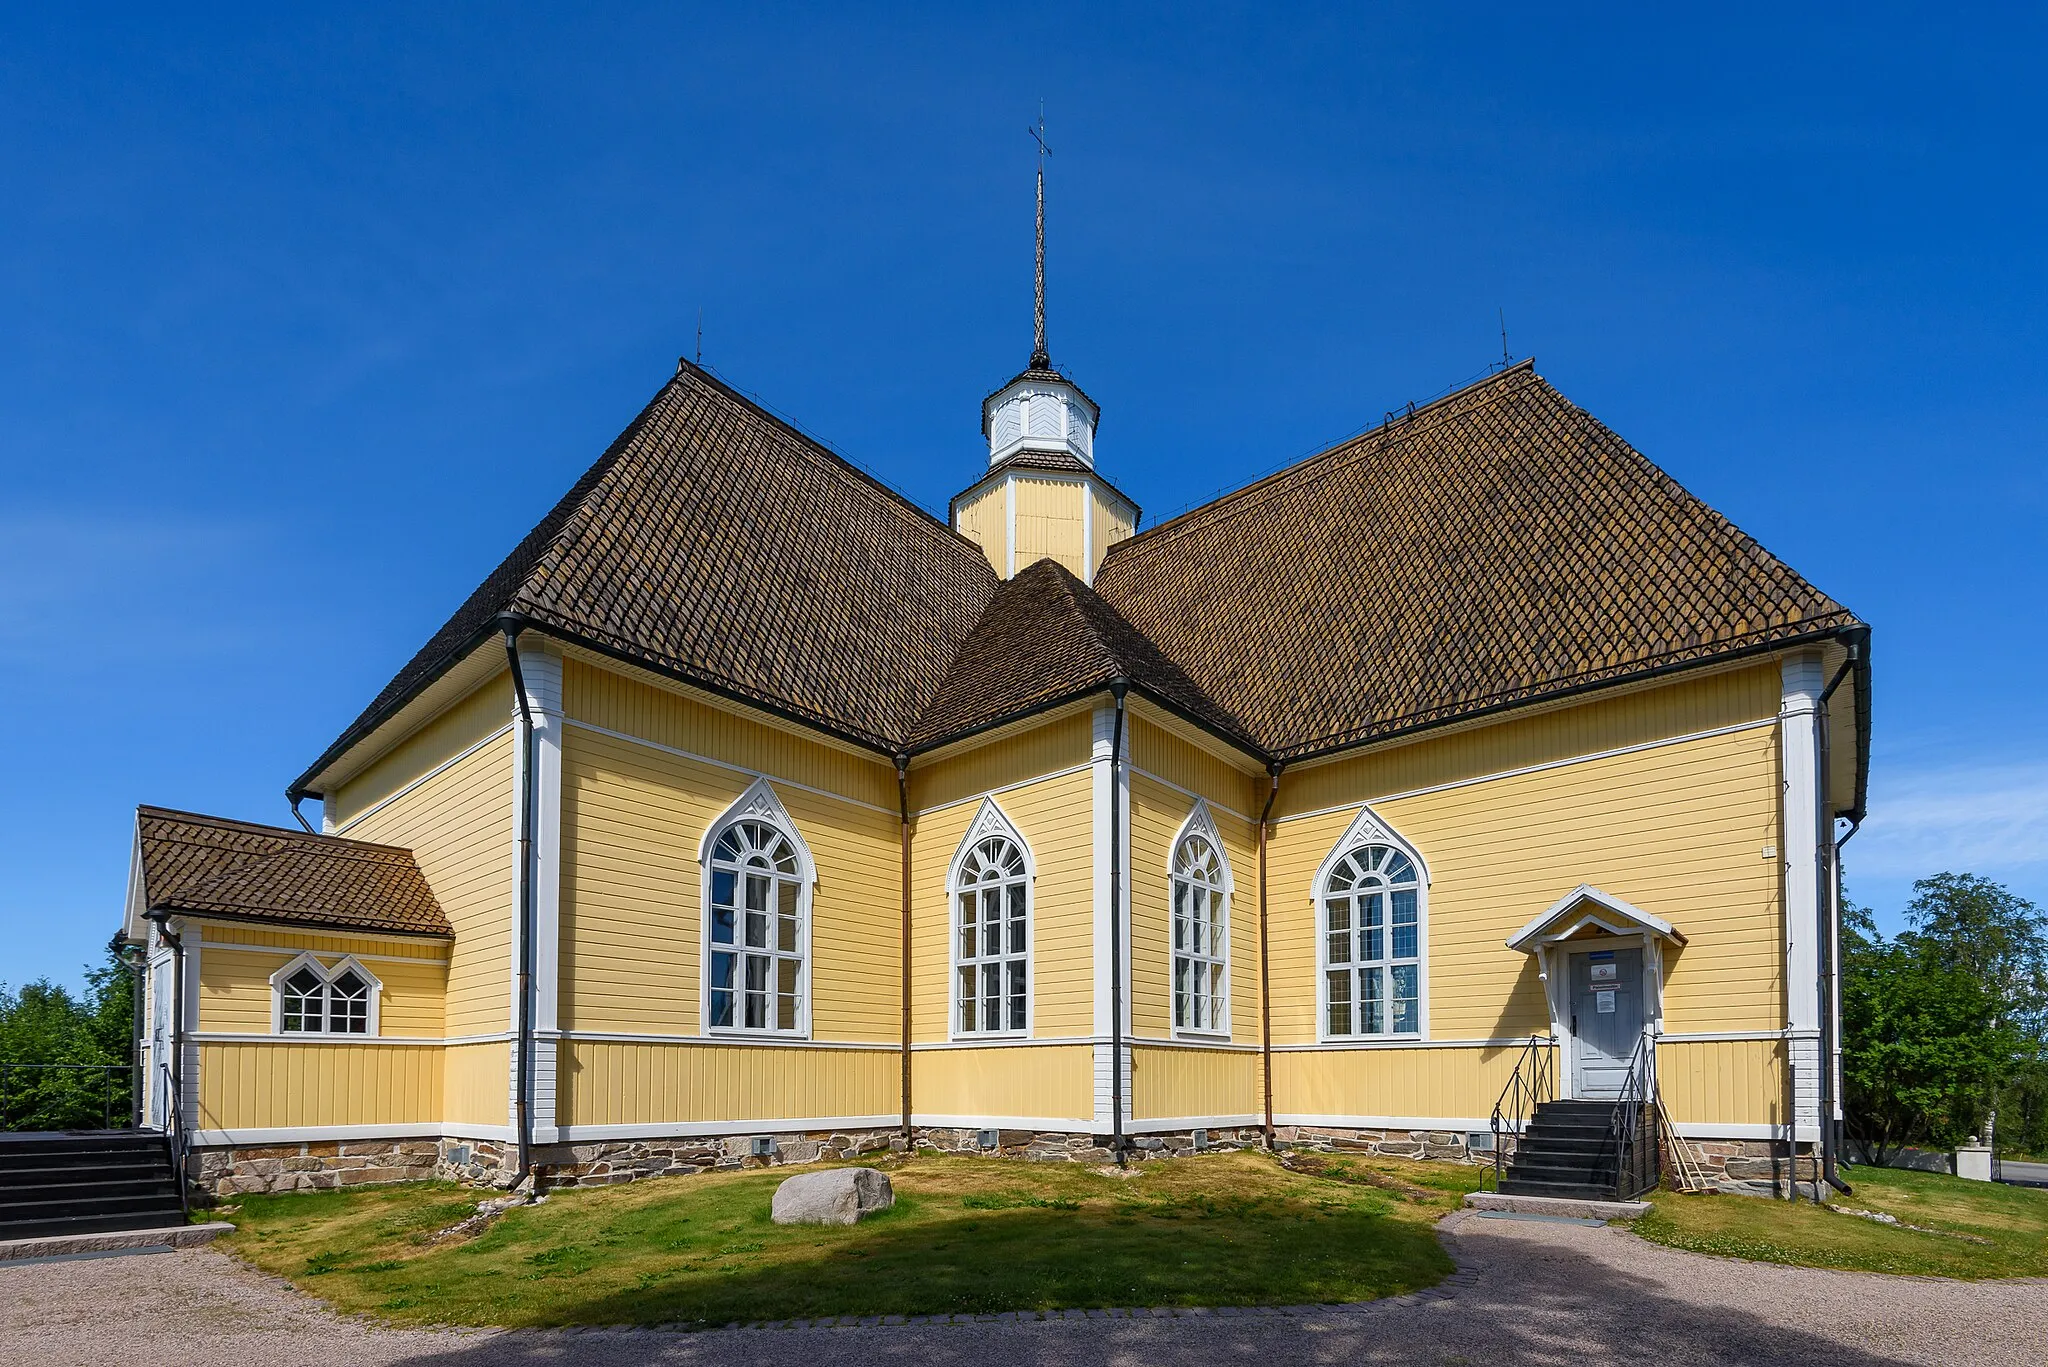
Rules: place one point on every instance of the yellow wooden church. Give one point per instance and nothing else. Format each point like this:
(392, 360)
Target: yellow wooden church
(747, 813)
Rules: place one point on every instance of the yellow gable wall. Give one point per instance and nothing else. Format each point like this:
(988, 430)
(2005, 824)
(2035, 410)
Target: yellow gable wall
(235, 969)
(984, 520)
(1677, 829)
(457, 821)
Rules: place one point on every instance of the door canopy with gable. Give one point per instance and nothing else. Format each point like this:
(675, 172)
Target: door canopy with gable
(1588, 919)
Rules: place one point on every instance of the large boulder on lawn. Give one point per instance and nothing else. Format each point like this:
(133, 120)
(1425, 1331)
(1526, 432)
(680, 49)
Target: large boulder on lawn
(836, 1196)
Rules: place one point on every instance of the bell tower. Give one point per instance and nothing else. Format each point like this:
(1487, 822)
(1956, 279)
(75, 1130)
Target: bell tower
(1041, 496)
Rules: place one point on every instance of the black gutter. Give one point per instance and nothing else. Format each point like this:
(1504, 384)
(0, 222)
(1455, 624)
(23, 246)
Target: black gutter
(1265, 959)
(523, 1100)
(299, 816)
(1116, 920)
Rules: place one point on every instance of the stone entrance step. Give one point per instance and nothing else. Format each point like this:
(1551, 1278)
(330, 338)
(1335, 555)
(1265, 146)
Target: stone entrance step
(1572, 1206)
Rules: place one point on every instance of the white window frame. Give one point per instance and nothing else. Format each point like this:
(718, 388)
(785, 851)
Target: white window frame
(327, 973)
(991, 822)
(1200, 825)
(1369, 829)
(757, 804)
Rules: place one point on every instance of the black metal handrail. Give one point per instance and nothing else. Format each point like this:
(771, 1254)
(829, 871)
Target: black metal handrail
(1632, 1134)
(1534, 1082)
(66, 1096)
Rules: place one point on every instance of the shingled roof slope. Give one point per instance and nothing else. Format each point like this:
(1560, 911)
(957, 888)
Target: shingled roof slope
(211, 866)
(1045, 638)
(715, 542)
(1497, 547)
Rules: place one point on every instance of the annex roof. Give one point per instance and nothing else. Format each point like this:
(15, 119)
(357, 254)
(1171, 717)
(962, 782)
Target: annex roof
(1585, 907)
(237, 870)
(1497, 547)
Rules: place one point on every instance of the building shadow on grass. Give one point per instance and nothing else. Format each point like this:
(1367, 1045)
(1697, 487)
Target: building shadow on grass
(1511, 1303)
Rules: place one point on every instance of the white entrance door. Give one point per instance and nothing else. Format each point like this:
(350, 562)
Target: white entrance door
(1607, 1019)
(154, 1082)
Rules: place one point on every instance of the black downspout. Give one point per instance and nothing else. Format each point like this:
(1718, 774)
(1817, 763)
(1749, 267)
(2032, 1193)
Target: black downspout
(1829, 931)
(524, 1100)
(1833, 1128)
(295, 799)
(903, 809)
(1265, 962)
(1116, 922)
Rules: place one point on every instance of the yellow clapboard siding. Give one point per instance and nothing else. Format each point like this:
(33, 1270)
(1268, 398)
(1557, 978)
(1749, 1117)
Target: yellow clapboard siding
(609, 699)
(458, 824)
(235, 992)
(485, 709)
(633, 821)
(1157, 751)
(289, 1084)
(423, 948)
(1049, 523)
(1677, 830)
(1058, 742)
(1684, 708)
(1418, 1083)
(1740, 1082)
(1169, 1084)
(1157, 814)
(476, 1083)
(1055, 816)
(1039, 1081)
(607, 1082)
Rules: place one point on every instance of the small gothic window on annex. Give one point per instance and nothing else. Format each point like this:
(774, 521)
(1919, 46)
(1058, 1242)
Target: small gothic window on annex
(309, 997)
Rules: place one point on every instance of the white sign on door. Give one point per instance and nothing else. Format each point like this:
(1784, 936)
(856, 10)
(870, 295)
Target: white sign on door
(1603, 1001)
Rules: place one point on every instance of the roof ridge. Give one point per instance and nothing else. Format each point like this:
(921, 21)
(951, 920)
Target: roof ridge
(349, 843)
(1435, 411)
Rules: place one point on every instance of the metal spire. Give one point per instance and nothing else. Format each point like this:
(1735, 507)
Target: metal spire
(1040, 358)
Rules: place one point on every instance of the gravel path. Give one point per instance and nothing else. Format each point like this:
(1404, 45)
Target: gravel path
(1525, 1292)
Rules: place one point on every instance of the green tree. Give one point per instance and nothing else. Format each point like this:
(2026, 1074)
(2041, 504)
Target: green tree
(57, 1050)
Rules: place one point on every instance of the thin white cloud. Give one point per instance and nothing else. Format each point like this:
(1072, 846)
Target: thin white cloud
(1990, 820)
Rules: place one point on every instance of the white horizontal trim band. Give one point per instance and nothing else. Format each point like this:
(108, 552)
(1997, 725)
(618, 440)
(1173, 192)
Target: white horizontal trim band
(1710, 1129)
(1006, 788)
(1452, 1124)
(729, 767)
(321, 1037)
(1039, 1123)
(1007, 1042)
(1718, 1036)
(317, 1134)
(705, 1129)
(1531, 769)
(198, 919)
(1342, 1045)
(1192, 1122)
(723, 1041)
(431, 774)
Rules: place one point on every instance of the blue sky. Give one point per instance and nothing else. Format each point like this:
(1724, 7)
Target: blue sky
(306, 318)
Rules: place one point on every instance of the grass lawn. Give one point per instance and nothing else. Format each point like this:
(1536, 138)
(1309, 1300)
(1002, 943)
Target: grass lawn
(966, 1235)
(1967, 1229)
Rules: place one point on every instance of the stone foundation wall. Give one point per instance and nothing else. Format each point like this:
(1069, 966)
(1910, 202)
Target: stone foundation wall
(1751, 1167)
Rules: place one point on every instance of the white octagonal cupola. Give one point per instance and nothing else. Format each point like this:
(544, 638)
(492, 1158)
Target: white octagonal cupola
(1040, 410)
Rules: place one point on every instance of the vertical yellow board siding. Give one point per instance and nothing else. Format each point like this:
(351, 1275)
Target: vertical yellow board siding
(984, 520)
(633, 822)
(485, 709)
(1055, 817)
(606, 1082)
(1739, 1082)
(1684, 708)
(1049, 523)
(1677, 830)
(458, 824)
(476, 1086)
(1169, 1084)
(289, 1085)
(1157, 814)
(235, 992)
(1054, 1082)
(1113, 521)
(1392, 1083)
(607, 698)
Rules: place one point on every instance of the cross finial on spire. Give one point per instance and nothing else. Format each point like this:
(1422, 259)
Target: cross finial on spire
(1040, 358)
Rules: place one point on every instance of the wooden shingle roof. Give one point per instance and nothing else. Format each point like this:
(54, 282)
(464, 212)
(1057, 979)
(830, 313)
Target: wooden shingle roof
(239, 871)
(1498, 547)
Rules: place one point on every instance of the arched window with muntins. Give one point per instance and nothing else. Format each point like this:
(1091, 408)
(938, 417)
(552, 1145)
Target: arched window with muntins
(1199, 875)
(990, 890)
(758, 878)
(1372, 926)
